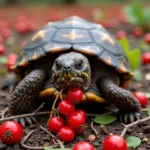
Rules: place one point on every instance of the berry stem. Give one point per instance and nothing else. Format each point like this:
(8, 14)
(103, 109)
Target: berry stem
(132, 124)
(48, 132)
(53, 107)
(94, 130)
(31, 147)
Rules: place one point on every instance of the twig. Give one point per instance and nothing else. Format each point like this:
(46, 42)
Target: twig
(132, 124)
(94, 130)
(25, 115)
(49, 133)
(53, 107)
(35, 112)
(31, 147)
(3, 112)
(104, 129)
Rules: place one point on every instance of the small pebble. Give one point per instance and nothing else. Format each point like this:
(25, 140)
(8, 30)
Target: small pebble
(141, 136)
(147, 76)
(91, 137)
(10, 40)
(145, 140)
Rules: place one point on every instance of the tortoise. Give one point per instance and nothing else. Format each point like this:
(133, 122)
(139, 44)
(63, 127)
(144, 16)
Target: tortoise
(73, 53)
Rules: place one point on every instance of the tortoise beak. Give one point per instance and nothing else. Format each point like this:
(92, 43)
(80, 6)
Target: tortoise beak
(67, 72)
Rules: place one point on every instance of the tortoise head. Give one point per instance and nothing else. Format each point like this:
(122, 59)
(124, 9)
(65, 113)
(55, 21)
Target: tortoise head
(71, 70)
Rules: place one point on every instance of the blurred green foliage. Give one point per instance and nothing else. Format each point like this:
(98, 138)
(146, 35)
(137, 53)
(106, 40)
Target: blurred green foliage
(137, 14)
(62, 1)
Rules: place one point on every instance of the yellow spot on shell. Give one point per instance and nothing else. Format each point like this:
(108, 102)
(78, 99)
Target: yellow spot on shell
(35, 56)
(122, 67)
(39, 35)
(23, 62)
(108, 61)
(72, 35)
(106, 37)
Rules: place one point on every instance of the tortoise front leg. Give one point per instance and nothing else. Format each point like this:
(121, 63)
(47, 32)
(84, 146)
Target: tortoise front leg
(122, 98)
(24, 93)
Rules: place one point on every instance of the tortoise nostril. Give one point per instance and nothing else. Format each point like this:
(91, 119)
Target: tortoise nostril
(67, 68)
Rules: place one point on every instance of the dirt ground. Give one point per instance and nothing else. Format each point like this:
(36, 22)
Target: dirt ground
(40, 138)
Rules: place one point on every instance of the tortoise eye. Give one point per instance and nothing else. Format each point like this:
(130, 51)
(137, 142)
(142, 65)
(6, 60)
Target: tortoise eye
(57, 64)
(79, 64)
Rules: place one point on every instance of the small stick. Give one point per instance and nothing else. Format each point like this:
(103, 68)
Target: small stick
(31, 147)
(3, 112)
(27, 115)
(53, 107)
(48, 132)
(132, 124)
(35, 112)
(104, 129)
(94, 130)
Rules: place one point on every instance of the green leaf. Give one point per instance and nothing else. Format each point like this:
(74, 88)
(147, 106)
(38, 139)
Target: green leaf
(134, 59)
(133, 141)
(137, 75)
(147, 13)
(149, 111)
(105, 119)
(49, 148)
(3, 60)
(135, 14)
(125, 45)
(132, 55)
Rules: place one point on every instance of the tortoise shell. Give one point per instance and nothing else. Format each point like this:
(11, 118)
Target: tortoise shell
(80, 35)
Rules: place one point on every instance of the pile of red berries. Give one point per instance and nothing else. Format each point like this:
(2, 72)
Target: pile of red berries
(75, 122)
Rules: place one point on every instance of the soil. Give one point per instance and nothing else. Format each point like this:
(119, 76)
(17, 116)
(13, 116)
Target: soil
(41, 138)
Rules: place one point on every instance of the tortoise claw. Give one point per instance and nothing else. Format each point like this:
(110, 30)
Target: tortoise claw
(26, 120)
(22, 122)
(129, 117)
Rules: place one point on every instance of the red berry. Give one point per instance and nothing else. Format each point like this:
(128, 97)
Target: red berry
(2, 49)
(147, 38)
(11, 60)
(79, 130)
(76, 120)
(82, 112)
(23, 26)
(11, 132)
(1, 40)
(66, 134)
(55, 124)
(6, 32)
(66, 108)
(114, 142)
(121, 34)
(138, 31)
(146, 58)
(141, 98)
(75, 94)
(83, 146)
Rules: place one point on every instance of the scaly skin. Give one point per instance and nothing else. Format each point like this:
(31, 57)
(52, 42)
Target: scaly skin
(121, 98)
(25, 92)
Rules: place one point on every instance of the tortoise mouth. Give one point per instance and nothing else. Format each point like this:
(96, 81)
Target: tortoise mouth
(70, 81)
